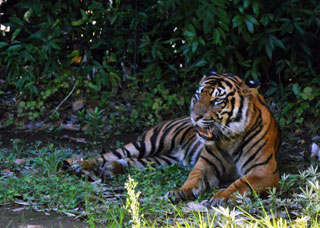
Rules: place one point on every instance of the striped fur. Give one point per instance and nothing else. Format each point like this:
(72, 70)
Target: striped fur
(230, 137)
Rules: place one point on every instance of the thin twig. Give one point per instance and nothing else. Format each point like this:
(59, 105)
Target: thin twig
(73, 88)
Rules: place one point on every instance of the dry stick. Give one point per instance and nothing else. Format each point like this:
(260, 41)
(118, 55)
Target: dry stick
(56, 109)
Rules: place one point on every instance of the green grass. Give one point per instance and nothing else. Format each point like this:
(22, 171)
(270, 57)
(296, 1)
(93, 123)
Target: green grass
(39, 182)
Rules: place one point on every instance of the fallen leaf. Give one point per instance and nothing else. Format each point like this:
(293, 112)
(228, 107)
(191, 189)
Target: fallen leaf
(69, 214)
(18, 209)
(70, 127)
(78, 140)
(192, 206)
(19, 161)
(21, 202)
(78, 104)
(33, 226)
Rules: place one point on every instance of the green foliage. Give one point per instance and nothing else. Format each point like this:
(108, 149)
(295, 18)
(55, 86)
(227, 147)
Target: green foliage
(150, 54)
(95, 123)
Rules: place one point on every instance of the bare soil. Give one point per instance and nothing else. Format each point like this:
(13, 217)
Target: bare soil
(9, 218)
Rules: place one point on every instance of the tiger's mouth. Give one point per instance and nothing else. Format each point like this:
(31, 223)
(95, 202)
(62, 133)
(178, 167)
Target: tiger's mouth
(205, 133)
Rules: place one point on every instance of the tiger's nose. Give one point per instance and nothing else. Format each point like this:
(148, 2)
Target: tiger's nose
(196, 118)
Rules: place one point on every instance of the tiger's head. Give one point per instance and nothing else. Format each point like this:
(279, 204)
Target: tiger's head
(219, 107)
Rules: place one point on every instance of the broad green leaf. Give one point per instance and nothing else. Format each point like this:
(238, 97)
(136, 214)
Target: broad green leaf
(296, 89)
(237, 20)
(194, 45)
(288, 107)
(216, 36)
(246, 3)
(269, 50)
(16, 20)
(189, 34)
(3, 44)
(201, 63)
(15, 33)
(255, 7)
(304, 105)
(15, 47)
(78, 22)
(250, 26)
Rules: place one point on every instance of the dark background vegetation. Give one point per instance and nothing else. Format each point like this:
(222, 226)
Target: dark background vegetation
(140, 61)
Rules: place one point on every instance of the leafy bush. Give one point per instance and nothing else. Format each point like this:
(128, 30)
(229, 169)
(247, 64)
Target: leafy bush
(150, 54)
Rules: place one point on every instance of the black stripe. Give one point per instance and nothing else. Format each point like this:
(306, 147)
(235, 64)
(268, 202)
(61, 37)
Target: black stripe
(239, 114)
(176, 133)
(185, 134)
(236, 185)
(181, 195)
(153, 164)
(153, 139)
(189, 143)
(246, 183)
(215, 156)
(228, 84)
(171, 157)
(169, 162)
(255, 130)
(230, 114)
(257, 141)
(103, 158)
(116, 153)
(126, 152)
(156, 161)
(164, 135)
(142, 162)
(259, 164)
(206, 182)
(212, 165)
(142, 146)
(193, 150)
(261, 101)
(255, 154)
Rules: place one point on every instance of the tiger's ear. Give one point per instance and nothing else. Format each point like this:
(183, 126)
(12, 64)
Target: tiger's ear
(253, 84)
(252, 88)
(208, 73)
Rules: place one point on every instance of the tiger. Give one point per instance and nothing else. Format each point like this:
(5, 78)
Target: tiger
(230, 139)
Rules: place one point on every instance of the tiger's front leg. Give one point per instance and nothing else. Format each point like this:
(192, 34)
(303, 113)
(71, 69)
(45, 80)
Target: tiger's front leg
(258, 178)
(209, 172)
(198, 181)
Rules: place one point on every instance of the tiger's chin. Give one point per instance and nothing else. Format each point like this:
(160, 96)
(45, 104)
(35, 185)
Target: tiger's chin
(205, 136)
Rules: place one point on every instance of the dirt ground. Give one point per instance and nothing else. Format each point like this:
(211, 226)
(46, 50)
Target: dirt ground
(11, 217)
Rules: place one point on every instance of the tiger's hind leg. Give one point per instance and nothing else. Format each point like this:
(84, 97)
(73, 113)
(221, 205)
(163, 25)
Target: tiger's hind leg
(163, 145)
(113, 168)
(108, 169)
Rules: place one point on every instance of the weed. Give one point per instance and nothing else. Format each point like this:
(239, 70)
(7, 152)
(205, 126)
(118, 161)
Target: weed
(132, 203)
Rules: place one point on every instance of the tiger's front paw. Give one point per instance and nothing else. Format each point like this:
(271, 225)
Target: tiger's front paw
(79, 168)
(111, 169)
(181, 195)
(219, 199)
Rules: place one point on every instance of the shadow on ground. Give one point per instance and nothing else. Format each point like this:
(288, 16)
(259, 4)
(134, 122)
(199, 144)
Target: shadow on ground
(9, 218)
